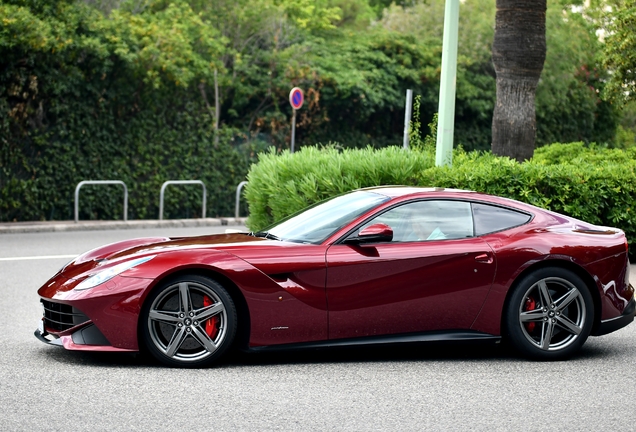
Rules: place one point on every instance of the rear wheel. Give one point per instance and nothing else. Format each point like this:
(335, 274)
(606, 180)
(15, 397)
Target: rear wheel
(550, 314)
(188, 322)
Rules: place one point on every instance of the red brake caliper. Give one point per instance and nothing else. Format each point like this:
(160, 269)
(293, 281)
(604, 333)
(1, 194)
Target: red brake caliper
(530, 305)
(210, 325)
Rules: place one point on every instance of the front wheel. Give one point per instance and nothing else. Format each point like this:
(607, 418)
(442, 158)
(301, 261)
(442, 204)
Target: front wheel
(188, 322)
(549, 315)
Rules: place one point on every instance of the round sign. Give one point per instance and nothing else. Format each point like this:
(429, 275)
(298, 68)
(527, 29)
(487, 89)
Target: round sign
(296, 98)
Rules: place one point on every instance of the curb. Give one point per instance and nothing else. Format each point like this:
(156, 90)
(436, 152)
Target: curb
(56, 226)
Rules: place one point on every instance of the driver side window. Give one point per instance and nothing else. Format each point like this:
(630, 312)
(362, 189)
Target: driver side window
(428, 220)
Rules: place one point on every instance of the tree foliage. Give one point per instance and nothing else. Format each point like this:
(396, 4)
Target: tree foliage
(568, 102)
(168, 43)
(79, 101)
(620, 51)
(101, 89)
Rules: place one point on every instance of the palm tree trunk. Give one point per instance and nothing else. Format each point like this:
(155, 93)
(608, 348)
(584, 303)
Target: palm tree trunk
(518, 55)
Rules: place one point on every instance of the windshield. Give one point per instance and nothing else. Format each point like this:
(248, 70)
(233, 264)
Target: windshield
(315, 224)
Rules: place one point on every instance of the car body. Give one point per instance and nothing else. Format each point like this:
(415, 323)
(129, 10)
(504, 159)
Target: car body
(373, 266)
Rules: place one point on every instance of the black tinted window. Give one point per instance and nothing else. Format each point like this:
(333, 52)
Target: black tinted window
(490, 218)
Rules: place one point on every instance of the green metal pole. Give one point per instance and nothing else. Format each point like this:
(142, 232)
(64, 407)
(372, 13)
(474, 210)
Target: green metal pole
(446, 120)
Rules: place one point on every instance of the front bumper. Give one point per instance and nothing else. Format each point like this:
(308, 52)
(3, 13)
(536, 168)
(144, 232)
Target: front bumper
(103, 318)
(87, 338)
(611, 325)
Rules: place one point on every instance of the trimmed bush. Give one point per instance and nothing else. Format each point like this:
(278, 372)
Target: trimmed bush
(597, 186)
(281, 184)
(577, 153)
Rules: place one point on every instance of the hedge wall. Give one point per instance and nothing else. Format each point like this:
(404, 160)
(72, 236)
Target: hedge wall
(77, 102)
(590, 183)
(39, 173)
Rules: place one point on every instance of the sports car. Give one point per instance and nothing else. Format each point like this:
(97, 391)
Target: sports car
(375, 266)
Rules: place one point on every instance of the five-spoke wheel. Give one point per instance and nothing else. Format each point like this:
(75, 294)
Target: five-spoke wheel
(550, 314)
(188, 322)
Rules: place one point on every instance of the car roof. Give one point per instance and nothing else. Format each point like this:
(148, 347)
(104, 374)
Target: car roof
(394, 192)
(400, 191)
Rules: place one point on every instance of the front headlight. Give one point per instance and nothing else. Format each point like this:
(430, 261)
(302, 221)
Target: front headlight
(108, 274)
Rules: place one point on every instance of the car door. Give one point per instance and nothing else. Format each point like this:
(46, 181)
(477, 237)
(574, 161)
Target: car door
(434, 278)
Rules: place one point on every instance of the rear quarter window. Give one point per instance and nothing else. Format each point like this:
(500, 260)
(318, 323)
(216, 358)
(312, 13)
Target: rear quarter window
(490, 218)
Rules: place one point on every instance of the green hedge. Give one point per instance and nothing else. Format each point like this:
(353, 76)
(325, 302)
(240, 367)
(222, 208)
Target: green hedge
(590, 183)
(281, 184)
(74, 107)
(39, 173)
(579, 153)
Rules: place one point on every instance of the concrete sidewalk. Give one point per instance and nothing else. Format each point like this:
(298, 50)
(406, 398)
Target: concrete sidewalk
(54, 226)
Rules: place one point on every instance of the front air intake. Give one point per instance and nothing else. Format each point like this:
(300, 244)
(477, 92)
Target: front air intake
(59, 317)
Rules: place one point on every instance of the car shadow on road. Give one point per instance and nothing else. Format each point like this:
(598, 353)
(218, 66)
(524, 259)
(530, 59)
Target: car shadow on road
(382, 353)
(428, 352)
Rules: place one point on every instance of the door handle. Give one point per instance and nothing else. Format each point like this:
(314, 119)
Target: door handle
(484, 258)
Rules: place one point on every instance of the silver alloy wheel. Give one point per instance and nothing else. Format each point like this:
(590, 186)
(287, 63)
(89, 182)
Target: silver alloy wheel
(553, 314)
(182, 326)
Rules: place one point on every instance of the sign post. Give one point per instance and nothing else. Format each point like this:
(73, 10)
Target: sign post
(296, 99)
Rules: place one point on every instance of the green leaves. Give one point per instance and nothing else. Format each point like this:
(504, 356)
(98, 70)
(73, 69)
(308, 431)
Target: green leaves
(130, 92)
(168, 44)
(21, 28)
(311, 14)
(78, 101)
(281, 184)
(620, 51)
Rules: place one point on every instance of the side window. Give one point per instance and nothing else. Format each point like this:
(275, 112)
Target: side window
(489, 218)
(428, 220)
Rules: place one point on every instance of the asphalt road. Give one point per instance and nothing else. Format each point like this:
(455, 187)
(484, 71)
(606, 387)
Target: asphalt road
(428, 387)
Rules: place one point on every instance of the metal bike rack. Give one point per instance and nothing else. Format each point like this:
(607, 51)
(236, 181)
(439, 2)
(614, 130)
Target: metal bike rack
(180, 182)
(100, 182)
(238, 198)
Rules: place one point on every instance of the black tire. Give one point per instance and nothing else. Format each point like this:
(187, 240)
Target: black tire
(549, 314)
(188, 322)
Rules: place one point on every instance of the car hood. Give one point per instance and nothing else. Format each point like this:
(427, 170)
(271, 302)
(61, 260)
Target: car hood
(108, 256)
(155, 245)
(241, 245)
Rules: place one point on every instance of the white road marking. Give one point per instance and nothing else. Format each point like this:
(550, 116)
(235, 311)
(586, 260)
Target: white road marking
(41, 257)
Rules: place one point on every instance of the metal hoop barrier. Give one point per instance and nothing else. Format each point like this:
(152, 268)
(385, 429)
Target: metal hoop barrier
(238, 198)
(100, 182)
(181, 182)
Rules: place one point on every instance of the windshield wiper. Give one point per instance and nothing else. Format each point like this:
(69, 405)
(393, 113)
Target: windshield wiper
(265, 234)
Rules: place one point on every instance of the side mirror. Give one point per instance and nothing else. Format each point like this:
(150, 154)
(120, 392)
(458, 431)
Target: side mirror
(373, 234)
